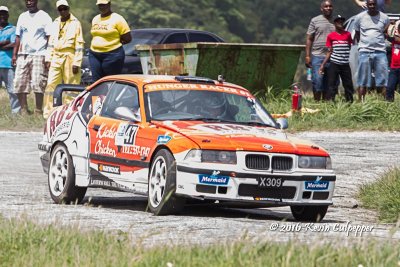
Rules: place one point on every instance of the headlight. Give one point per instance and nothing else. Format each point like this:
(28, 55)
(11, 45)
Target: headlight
(212, 156)
(306, 162)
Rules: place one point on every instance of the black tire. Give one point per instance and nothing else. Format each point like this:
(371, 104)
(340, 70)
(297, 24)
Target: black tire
(61, 178)
(162, 185)
(309, 213)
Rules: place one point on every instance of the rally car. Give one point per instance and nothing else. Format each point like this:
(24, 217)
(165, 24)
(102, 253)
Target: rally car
(180, 138)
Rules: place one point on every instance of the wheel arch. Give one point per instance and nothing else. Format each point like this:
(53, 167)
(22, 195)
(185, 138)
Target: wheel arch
(160, 147)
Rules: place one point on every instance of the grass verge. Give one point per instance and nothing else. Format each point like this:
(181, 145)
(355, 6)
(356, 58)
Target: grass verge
(26, 244)
(384, 196)
(17, 122)
(373, 114)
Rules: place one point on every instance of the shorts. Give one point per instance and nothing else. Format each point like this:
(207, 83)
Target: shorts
(370, 65)
(30, 74)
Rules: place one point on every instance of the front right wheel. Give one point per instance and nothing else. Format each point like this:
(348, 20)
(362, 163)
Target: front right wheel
(162, 185)
(309, 213)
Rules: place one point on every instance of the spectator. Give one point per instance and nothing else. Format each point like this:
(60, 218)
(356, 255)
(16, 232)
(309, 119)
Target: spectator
(109, 32)
(339, 43)
(394, 74)
(7, 41)
(316, 50)
(370, 27)
(29, 55)
(64, 53)
(380, 3)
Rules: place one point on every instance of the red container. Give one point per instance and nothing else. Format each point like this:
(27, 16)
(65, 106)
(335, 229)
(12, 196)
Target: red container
(296, 99)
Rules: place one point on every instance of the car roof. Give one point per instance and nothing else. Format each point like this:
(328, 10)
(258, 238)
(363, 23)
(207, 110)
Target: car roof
(146, 79)
(167, 31)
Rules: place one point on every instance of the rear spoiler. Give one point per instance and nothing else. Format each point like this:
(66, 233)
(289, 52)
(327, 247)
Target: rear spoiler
(61, 88)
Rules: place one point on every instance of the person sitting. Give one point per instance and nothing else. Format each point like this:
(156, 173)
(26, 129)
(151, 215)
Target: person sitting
(215, 106)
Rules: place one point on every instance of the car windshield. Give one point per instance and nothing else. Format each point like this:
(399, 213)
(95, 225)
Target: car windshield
(139, 37)
(210, 106)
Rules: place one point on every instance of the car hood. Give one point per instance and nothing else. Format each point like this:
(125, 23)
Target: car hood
(230, 136)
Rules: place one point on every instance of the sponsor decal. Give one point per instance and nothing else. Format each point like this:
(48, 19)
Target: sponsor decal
(58, 116)
(63, 128)
(213, 179)
(106, 132)
(109, 169)
(108, 183)
(126, 134)
(102, 149)
(172, 86)
(136, 150)
(268, 147)
(316, 185)
(163, 139)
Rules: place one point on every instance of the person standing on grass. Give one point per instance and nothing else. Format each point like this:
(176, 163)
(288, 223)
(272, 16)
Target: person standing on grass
(370, 27)
(339, 44)
(394, 73)
(29, 55)
(109, 32)
(7, 41)
(316, 50)
(64, 53)
(380, 3)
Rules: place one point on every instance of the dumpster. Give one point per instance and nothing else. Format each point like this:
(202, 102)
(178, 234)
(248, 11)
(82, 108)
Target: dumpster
(254, 66)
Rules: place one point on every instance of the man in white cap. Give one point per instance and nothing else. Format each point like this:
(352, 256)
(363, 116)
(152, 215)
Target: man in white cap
(64, 53)
(7, 41)
(29, 55)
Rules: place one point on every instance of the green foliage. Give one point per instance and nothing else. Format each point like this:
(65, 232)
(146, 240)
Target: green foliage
(373, 114)
(384, 196)
(25, 244)
(258, 21)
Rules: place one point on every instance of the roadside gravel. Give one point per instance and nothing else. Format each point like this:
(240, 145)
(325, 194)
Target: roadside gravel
(358, 157)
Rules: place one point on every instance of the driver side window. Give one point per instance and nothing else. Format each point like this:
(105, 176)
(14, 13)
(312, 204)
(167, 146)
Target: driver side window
(93, 101)
(122, 102)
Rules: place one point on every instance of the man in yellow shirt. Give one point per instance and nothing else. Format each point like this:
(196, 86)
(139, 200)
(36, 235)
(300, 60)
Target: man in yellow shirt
(109, 32)
(64, 53)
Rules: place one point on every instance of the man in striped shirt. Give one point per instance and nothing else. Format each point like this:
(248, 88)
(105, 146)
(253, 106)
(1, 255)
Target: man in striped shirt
(339, 43)
(319, 28)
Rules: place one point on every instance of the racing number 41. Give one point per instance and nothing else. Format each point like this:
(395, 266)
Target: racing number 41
(269, 182)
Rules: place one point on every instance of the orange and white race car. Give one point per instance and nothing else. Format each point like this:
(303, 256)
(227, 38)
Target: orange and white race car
(175, 138)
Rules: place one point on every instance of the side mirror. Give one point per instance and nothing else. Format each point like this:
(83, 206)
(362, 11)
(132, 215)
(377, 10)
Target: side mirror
(127, 114)
(282, 123)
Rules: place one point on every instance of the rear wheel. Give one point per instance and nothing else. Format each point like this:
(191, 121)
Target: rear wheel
(309, 213)
(162, 185)
(62, 178)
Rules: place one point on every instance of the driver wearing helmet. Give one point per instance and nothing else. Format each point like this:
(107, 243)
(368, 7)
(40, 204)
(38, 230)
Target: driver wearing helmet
(214, 105)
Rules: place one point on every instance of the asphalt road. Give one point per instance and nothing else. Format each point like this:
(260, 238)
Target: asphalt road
(358, 158)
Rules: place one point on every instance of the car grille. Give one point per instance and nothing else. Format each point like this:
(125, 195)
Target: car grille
(282, 163)
(257, 162)
(284, 192)
(262, 162)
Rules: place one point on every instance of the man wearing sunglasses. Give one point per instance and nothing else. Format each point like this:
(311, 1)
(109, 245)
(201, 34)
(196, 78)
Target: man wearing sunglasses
(64, 53)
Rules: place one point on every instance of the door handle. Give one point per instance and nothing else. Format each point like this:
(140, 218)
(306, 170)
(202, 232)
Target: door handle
(96, 127)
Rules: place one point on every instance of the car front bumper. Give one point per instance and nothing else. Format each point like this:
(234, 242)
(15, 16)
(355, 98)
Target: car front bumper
(245, 186)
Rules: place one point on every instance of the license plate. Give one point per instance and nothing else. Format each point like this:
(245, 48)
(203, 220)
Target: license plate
(270, 182)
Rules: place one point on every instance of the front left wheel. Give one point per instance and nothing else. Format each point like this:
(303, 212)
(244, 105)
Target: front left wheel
(162, 185)
(62, 178)
(309, 213)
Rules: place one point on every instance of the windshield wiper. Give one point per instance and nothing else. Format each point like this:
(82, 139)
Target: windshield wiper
(256, 123)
